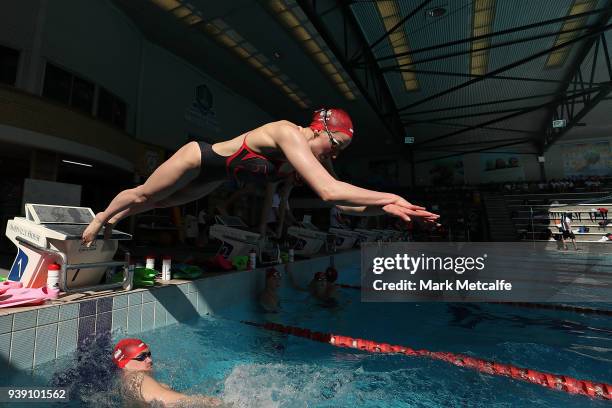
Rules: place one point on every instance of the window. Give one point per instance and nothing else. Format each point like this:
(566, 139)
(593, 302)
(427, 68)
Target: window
(64, 87)
(82, 95)
(58, 84)
(9, 60)
(67, 88)
(111, 109)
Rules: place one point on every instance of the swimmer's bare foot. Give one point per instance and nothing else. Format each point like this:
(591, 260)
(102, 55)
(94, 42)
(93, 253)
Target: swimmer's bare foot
(91, 232)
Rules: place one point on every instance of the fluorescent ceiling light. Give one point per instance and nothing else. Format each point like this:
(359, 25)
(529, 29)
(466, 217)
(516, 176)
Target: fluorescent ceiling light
(482, 24)
(390, 15)
(77, 163)
(558, 57)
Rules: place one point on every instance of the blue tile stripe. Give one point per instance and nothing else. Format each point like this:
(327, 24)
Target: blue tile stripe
(104, 323)
(87, 328)
(88, 308)
(105, 304)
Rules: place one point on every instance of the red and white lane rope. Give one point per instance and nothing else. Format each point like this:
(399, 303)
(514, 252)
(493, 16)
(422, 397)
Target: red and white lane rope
(548, 380)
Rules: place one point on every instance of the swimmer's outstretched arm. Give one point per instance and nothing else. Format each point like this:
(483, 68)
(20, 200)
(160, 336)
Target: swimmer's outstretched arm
(299, 154)
(151, 391)
(363, 210)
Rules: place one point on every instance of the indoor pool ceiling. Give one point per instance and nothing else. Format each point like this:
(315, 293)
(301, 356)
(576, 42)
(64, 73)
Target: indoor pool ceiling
(383, 62)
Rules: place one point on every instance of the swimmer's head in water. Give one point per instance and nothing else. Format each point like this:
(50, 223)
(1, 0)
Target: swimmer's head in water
(273, 278)
(130, 350)
(331, 274)
(333, 120)
(318, 285)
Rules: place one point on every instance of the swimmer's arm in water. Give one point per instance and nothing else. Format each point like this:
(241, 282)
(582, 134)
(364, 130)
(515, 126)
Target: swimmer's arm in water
(299, 154)
(151, 391)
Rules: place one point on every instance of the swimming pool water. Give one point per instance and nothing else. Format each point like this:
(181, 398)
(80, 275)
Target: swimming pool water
(251, 367)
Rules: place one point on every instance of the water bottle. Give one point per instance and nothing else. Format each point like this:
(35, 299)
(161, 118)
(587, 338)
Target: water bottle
(53, 271)
(291, 255)
(150, 262)
(252, 259)
(166, 267)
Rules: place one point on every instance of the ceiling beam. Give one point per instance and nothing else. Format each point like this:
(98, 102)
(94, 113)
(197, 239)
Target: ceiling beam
(466, 75)
(496, 120)
(342, 34)
(495, 34)
(491, 46)
(597, 35)
(587, 107)
(398, 25)
(507, 67)
(474, 105)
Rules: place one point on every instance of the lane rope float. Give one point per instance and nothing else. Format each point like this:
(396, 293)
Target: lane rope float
(553, 381)
(530, 305)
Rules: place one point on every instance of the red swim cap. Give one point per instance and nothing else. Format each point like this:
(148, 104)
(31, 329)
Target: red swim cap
(126, 350)
(337, 120)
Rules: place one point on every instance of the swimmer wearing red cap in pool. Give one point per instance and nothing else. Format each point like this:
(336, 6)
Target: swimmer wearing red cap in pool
(269, 153)
(138, 386)
(322, 287)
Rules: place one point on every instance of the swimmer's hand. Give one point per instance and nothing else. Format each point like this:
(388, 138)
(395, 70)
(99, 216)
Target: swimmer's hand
(404, 210)
(91, 232)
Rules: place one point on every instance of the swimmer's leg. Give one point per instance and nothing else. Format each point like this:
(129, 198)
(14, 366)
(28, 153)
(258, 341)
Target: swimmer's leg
(174, 174)
(184, 196)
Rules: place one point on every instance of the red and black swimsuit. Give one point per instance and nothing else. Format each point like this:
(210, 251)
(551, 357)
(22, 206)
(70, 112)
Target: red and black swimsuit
(244, 166)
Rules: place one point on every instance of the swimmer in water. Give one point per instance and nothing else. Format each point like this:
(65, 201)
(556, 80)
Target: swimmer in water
(271, 152)
(268, 299)
(139, 387)
(318, 287)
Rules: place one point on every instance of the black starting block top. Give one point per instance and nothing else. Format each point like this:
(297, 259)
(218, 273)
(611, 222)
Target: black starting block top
(73, 231)
(68, 221)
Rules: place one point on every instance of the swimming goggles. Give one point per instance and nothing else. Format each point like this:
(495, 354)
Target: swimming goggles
(142, 356)
(320, 277)
(332, 140)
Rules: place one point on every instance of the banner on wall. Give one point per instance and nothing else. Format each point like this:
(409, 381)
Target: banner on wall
(201, 112)
(587, 159)
(498, 167)
(447, 171)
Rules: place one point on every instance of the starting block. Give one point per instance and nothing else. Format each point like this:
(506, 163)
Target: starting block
(52, 234)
